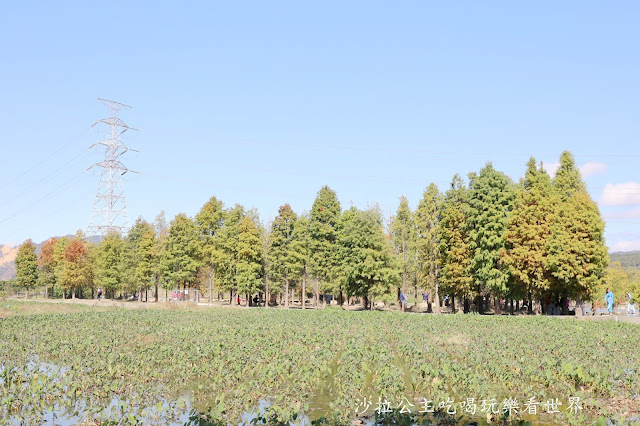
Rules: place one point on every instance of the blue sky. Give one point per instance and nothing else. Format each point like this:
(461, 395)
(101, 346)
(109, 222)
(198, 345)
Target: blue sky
(262, 103)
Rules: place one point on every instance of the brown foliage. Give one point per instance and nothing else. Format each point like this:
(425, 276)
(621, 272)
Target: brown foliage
(46, 259)
(75, 250)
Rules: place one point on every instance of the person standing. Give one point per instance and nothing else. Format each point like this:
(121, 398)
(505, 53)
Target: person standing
(631, 308)
(608, 298)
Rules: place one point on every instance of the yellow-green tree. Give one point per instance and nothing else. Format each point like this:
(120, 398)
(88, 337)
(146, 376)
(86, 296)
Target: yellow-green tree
(427, 244)
(249, 260)
(27, 266)
(109, 270)
(453, 239)
(528, 234)
(403, 237)
(578, 255)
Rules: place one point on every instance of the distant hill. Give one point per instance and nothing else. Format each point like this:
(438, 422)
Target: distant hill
(8, 255)
(626, 258)
(7, 267)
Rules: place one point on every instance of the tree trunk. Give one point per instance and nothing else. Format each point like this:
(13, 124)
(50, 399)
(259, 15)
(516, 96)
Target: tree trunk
(496, 306)
(480, 304)
(466, 306)
(365, 302)
(518, 305)
(403, 292)
(73, 294)
(543, 309)
(27, 293)
(286, 292)
(210, 288)
(565, 304)
(304, 290)
(140, 295)
(436, 298)
(453, 303)
(511, 306)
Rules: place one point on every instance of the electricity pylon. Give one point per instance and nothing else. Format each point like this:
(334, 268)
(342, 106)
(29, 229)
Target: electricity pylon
(109, 213)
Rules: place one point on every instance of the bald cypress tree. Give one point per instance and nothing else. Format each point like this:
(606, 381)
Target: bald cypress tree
(249, 258)
(427, 244)
(229, 241)
(183, 253)
(282, 265)
(209, 221)
(528, 233)
(453, 239)
(367, 266)
(491, 199)
(578, 255)
(403, 238)
(26, 266)
(323, 222)
(568, 180)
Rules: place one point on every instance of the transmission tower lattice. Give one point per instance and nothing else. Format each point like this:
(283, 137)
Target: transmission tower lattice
(109, 213)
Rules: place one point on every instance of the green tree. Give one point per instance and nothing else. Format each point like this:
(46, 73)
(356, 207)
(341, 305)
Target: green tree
(301, 253)
(367, 262)
(577, 252)
(427, 244)
(324, 217)
(183, 251)
(281, 258)
(453, 239)
(403, 236)
(210, 220)
(27, 266)
(528, 233)
(568, 180)
(491, 199)
(249, 261)
(229, 242)
(160, 254)
(109, 264)
(138, 257)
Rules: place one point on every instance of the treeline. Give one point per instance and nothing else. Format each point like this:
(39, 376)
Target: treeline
(629, 259)
(482, 240)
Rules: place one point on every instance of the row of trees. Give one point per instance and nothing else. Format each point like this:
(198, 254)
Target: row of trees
(540, 239)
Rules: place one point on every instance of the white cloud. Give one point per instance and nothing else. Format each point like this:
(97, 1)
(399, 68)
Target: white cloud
(586, 170)
(625, 246)
(589, 169)
(551, 168)
(621, 194)
(626, 214)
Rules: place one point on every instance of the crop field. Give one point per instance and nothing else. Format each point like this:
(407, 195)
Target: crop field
(159, 366)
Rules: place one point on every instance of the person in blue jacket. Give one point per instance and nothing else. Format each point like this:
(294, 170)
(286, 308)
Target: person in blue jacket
(608, 298)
